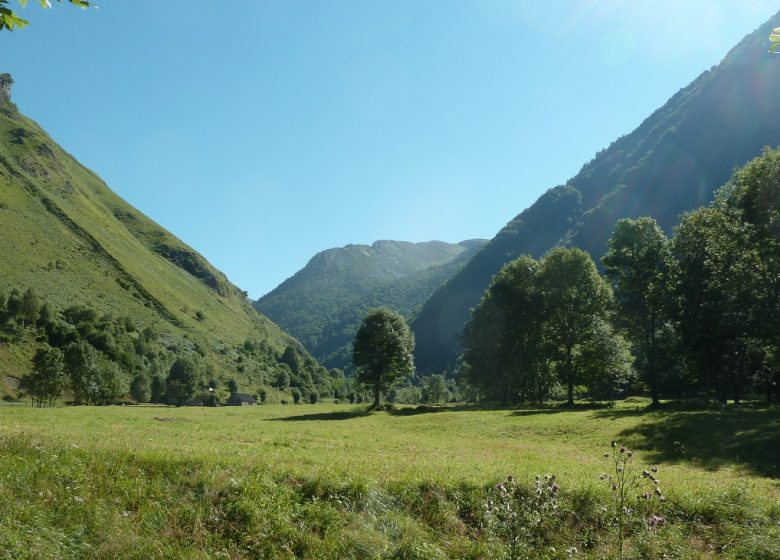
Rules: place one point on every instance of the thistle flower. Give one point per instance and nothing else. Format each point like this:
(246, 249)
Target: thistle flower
(510, 478)
(645, 496)
(606, 454)
(554, 488)
(645, 474)
(622, 450)
(654, 469)
(614, 443)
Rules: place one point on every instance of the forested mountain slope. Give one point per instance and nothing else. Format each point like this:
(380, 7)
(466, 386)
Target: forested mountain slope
(323, 303)
(671, 163)
(67, 236)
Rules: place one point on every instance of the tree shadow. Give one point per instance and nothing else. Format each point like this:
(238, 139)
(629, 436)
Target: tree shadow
(339, 415)
(559, 408)
(427, 409)
(746, 437)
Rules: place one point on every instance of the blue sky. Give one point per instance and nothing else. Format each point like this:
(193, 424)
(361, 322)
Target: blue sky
(261, 132)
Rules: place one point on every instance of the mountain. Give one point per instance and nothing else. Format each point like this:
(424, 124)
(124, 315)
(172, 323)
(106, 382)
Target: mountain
(323, 303)
(67, 236)
(670, 164)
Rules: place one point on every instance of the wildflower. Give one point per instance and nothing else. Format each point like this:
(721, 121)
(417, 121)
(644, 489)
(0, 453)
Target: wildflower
(654, 469)
(630, 453)
(658, 491)
(614, 487)
(614, 443)
(606, 454)
(656, 520)
(645, 496)
(645, 474)
(500, 487)
(620, 469)
(622, 450)
(554, 488)
(510, 478)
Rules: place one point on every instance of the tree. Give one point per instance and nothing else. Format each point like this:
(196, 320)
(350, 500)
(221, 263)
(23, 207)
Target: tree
(605, 361)
(435, 388)
(575, 298)
(140, 388)
(84, 370)
(47, 379)
(775, 38)
(282, 379)
(30, 307)
(504, 340)
(296, 395)
(232, 386)
(638, 264)
(382, 351)
(182, 381)
(10, 20)
(157, 387)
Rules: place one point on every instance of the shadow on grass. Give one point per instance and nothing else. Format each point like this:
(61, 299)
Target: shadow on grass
(558, 408)
(711, 438)
(340, 415)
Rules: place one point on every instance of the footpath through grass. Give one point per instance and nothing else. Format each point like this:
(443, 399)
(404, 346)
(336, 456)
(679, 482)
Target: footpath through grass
(329, 481)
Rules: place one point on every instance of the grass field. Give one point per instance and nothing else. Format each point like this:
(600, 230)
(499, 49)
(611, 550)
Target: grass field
(329, 481)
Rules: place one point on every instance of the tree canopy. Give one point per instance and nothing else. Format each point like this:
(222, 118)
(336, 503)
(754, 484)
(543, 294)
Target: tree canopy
(382, 351)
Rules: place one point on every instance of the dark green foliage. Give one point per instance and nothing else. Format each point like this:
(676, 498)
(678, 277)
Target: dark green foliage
(313, 397)
(157, 389)
(262, 395)
(232, 386)
(140, 388)
(382, 351)
(727, 283)
(182, 381)
(543, 322)
(671, 163)
(296, 395)
(47, 379)
(85, 372)
(638, 264)
(322, 304)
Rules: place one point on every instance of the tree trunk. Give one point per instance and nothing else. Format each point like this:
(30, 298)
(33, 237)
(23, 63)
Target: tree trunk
(375, 406)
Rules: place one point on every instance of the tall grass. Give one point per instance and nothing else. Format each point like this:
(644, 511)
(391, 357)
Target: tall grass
(327, 481)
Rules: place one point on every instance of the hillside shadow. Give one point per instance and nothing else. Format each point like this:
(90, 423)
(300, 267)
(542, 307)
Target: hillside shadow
(712, 439)
(339, 415)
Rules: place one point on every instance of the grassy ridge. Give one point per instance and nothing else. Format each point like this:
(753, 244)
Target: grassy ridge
(329, 481)
(70, 238)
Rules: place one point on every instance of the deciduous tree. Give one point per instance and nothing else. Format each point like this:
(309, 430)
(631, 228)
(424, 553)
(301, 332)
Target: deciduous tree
(382, 351)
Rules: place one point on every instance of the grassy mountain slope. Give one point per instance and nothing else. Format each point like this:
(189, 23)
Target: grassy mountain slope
(70, 238)
(671, 163)
(323, 303)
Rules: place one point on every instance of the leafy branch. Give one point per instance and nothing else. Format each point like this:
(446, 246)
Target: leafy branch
(775, 38)
(9, 20)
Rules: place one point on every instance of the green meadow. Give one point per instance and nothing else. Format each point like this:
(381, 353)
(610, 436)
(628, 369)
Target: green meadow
(331, 481)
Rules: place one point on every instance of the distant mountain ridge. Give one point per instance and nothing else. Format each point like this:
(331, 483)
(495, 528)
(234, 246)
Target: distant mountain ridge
(671, 163)
(323, 303)
(67, 236)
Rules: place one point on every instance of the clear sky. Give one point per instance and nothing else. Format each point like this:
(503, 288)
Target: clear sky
(261, 132)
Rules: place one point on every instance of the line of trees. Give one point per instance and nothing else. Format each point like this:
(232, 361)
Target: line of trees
(699, 313)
